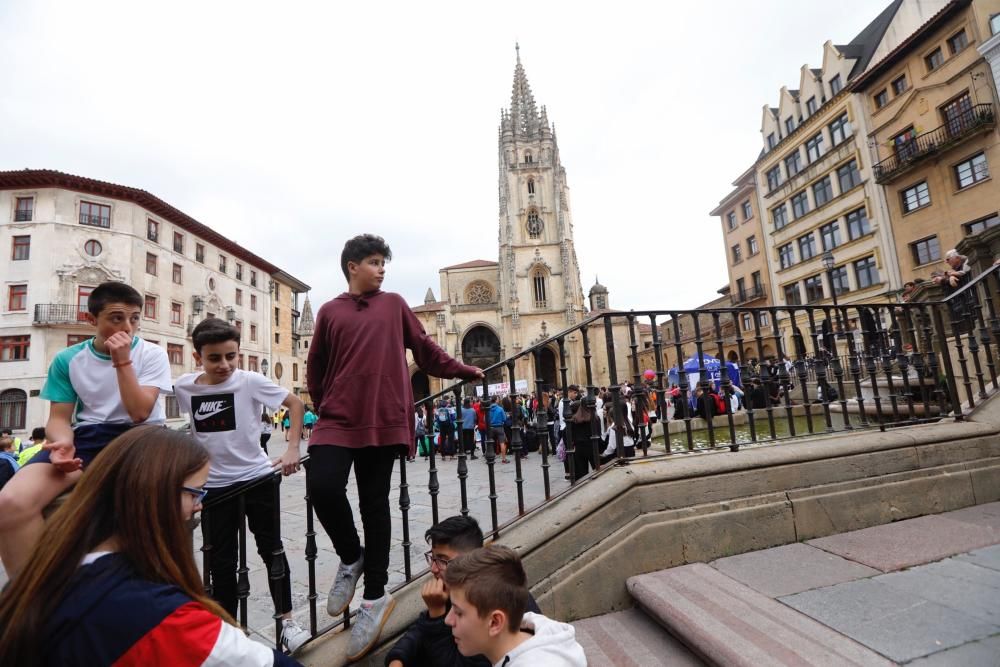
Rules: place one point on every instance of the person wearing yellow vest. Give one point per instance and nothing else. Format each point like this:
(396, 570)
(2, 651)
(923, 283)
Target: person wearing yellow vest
(27, 451)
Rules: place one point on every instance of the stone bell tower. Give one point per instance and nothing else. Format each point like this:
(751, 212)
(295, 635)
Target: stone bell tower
(539, 277)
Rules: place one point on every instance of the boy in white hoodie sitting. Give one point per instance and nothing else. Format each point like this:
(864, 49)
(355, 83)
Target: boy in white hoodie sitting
(489, 595)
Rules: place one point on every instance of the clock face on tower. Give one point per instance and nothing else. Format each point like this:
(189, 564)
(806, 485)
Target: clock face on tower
(534, 225)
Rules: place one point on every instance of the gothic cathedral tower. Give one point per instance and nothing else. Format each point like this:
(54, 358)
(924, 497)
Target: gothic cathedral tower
(540, 287)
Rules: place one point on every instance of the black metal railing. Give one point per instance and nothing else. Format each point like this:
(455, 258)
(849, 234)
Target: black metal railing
(95, 220)
(59, 313)
(907, 154)
(750, 294)
(22, 215)
(811, 370)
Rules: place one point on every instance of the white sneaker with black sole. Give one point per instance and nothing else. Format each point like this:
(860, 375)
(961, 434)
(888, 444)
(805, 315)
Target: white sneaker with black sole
(293, 635)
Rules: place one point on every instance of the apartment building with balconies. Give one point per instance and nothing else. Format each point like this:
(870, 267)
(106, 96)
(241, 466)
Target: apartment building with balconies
(743, 236)
(67, 234)
(931, 105)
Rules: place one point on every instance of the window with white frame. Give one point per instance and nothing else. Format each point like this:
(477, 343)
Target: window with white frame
(972, 171)
(915, 196)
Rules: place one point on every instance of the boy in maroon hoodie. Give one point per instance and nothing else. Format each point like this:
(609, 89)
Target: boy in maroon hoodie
(359, 380)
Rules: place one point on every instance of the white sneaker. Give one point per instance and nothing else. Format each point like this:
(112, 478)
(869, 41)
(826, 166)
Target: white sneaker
(293, 635)
(368, 624)
(344, 585)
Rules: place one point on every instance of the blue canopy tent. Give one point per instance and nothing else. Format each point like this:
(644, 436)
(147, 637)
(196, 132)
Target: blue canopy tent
(713, 367)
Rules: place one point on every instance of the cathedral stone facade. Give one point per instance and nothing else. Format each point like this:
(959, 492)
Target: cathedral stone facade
(491, 310)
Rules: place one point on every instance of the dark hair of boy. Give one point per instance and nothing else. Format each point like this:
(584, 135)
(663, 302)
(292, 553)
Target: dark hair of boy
(6, 431)
(491, 578)
(38, 433)
(213, 330)
(361, 246)
(461, 533)
(112, 292)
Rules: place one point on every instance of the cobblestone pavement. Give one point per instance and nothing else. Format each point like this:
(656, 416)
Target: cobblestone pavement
(293, 528)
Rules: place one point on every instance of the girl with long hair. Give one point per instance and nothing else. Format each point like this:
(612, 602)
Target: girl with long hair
(113, 579)
(582, 428)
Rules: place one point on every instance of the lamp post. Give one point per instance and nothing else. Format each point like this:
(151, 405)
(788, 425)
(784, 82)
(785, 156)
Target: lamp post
(828, 265)
(263, 367)
(198, 305)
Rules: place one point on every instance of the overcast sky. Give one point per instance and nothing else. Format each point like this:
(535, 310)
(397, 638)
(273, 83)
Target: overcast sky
(290, 127)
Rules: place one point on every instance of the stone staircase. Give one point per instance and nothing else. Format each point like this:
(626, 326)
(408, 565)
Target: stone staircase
(919, 591)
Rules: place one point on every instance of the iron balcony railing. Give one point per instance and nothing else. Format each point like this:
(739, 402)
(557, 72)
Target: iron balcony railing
(810, 370)
(910, 153)
(751, 294)
(59, 313)
(22, 215)
(95, 220)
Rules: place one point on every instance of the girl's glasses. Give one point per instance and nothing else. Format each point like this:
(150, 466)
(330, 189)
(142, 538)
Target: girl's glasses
(199, 494)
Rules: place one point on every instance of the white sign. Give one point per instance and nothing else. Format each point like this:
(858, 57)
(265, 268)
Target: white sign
(503, 388)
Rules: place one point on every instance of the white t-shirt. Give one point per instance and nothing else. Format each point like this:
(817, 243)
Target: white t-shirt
(225, 418)
(82, 375)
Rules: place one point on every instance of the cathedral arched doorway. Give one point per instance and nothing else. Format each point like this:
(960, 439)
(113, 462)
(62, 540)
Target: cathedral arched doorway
(481, 347)
(547, 368)
(421, 385)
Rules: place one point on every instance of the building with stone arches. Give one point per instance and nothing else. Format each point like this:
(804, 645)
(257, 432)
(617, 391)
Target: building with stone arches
(490, 310)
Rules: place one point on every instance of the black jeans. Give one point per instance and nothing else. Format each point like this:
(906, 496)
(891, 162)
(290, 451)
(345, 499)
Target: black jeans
(326, 482)
(469, 441)
(220, 530)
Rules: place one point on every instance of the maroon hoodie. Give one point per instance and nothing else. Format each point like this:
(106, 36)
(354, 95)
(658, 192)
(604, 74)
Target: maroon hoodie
(357, 372)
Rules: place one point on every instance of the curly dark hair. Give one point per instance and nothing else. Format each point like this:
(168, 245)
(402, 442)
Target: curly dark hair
(362, 246)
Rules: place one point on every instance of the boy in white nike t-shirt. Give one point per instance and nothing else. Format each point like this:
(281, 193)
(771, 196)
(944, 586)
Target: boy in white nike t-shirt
(224, 404)
(98, 389)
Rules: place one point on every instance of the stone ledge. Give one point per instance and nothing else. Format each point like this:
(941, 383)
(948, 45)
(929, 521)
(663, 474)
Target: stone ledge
(579, 550)
(732, 624)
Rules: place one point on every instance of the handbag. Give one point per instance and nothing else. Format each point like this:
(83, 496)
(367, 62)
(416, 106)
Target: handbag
(561, 450)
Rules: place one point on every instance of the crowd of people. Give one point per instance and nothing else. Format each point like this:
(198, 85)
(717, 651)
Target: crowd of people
(110, 578)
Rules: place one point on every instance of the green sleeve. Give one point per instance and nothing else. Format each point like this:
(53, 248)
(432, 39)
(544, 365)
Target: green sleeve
(58, 387)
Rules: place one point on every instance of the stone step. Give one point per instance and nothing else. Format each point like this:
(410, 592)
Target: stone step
(731, 624)
(631, 639)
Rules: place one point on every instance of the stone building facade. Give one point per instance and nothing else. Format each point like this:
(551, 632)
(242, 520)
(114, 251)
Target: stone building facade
(932, 105)
(490, 310)
(66, 234)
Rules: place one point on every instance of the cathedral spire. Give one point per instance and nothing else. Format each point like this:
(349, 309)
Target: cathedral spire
(523, 112)
(306, 322)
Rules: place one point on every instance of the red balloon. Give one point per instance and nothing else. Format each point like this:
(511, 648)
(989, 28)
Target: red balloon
(649, 374)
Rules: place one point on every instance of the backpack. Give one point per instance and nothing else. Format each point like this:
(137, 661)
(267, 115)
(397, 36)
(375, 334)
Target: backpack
(720, 405)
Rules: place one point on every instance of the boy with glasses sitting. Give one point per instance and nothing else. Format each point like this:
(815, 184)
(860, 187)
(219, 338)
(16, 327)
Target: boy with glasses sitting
(429, 641)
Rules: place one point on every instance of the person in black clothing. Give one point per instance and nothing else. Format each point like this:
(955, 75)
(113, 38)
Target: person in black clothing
(429, 641)
(758, 395)
(581, 425)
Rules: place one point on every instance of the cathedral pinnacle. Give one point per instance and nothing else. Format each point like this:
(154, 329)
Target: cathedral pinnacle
(306, 323)
(523, 112)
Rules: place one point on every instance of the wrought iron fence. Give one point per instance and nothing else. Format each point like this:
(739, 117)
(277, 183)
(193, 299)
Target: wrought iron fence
(849, 367)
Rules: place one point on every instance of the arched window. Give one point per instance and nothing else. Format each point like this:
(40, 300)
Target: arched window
(13, 409)
(539, 288)
(531, 186)
(534, 224)
(527, 158)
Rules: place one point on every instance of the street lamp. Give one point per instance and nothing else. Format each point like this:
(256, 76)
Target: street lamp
(263, 367)
(231, 315)
(828, 263)
(198, 304)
